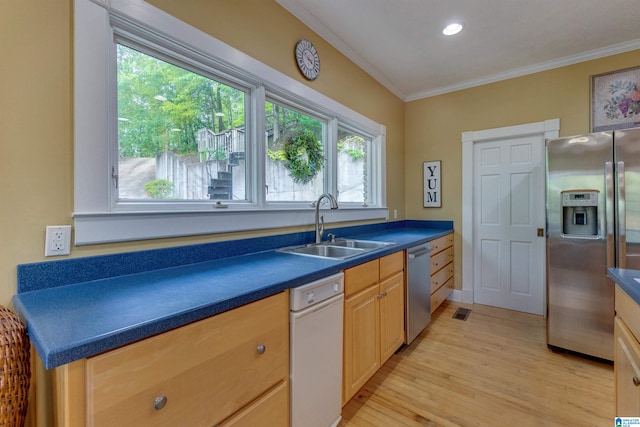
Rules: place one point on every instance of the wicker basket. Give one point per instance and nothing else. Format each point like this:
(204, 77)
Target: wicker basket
(15, 370)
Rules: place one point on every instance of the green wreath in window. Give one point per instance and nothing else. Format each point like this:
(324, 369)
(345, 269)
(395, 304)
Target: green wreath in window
(304, 156)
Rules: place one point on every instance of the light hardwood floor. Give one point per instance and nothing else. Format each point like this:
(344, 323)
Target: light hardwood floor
(494, 369)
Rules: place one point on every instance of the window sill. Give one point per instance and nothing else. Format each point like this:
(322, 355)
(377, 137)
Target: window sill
(95, 228)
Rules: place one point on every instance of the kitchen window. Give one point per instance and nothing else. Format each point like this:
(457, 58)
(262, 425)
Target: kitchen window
(355, 160)
(177, 133)
(296, 154)
(181, 134)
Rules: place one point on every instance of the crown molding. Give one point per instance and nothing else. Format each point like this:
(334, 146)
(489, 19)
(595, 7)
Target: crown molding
(530, 69)
(319, 28)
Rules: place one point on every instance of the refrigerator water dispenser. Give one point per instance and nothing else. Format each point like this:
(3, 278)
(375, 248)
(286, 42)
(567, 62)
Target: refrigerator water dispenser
(580, 212)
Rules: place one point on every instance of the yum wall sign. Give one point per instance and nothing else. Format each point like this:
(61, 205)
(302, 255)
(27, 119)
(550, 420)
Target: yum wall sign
(431, 174)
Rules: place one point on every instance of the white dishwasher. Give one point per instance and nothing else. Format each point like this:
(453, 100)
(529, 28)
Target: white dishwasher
(316, 352)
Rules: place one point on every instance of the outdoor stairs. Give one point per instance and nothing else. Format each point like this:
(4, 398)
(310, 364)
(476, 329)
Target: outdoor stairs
(220, 188)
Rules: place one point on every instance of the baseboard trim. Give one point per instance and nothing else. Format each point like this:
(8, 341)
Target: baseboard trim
(462, 295)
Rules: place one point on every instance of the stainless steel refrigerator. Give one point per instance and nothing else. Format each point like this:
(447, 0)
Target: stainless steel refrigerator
(593, 222)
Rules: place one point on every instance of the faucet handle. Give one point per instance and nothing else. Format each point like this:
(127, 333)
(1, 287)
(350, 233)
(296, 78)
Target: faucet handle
(331, 237)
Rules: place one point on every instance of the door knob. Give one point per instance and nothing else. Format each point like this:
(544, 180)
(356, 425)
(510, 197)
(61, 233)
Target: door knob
(540, 232)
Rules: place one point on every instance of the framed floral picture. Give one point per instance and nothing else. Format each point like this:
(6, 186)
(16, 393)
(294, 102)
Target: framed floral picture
(615, 100)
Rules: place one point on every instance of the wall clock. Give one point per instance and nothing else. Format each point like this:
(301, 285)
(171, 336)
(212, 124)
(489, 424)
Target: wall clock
(307, 59)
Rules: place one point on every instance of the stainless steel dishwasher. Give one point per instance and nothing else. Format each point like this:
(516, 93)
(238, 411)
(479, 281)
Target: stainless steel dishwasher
(316, 352)
(418, 304)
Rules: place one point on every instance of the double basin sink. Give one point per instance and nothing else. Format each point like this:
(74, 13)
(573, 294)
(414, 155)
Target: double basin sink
(337, 249)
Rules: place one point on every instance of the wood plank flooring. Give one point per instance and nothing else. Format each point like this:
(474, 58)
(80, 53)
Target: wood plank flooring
(493, 369)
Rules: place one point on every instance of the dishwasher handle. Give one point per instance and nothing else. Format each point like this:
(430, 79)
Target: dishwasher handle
(420, 252)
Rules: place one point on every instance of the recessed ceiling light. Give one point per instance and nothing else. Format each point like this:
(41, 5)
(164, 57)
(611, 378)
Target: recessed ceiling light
(452, 29)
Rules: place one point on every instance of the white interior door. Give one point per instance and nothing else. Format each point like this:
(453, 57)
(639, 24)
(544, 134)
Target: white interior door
(508, 200)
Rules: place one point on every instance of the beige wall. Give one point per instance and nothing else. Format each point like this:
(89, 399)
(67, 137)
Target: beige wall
(434, 126)
(36, 110)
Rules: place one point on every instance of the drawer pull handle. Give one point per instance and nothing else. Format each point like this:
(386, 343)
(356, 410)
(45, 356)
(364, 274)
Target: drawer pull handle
(636, 381)
(160, 402)
(261, 349)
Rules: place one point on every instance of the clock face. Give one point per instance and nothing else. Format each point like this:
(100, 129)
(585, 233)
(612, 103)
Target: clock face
(307, 59)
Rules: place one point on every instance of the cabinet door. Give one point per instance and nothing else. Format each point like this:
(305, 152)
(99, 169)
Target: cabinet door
(627, 372)
(391, 316)
(361, 340)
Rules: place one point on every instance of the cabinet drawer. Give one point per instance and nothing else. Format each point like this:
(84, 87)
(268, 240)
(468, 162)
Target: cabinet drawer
(441, 294)
(391, 264)
(360, 277)
(206, 370)
(440, 277)
(272, 409)
(441, 243)
(441, 259)
(628, 310)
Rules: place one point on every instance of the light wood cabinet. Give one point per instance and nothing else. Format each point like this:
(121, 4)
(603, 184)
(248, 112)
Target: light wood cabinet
(373, 319)
(229, 370)
(361, 346)
(391, 316)
(441, 270)
(627, 355)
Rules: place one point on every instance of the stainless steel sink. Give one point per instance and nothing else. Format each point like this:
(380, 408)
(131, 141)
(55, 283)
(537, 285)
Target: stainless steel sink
(360, 244)
(324, 251)
(337, 249)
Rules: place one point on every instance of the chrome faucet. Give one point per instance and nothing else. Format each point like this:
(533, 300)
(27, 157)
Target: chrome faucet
(319, 218)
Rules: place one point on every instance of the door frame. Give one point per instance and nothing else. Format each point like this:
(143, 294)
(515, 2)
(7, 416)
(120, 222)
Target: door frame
(548, 129)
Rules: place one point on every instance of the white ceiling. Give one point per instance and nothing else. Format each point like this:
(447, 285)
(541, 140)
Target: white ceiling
(400, 42)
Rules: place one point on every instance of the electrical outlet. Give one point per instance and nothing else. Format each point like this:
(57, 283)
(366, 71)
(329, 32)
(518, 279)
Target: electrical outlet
(57, 240)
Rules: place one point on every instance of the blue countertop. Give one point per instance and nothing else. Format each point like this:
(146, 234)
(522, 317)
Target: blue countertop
(628, 280)
(68, 319)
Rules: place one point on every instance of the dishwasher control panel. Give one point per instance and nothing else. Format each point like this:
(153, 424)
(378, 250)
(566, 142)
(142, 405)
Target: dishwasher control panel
(315, 292)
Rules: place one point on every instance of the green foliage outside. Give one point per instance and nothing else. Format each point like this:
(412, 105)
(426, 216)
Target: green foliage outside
(159, 189)
(304, 156)
(353, 145)
(283, 124)
(162, 106)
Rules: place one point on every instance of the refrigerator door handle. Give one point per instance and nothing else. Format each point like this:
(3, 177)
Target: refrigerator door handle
(621, 253)
(609, 214)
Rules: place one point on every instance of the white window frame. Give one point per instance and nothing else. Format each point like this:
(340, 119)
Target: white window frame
(98, 220)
